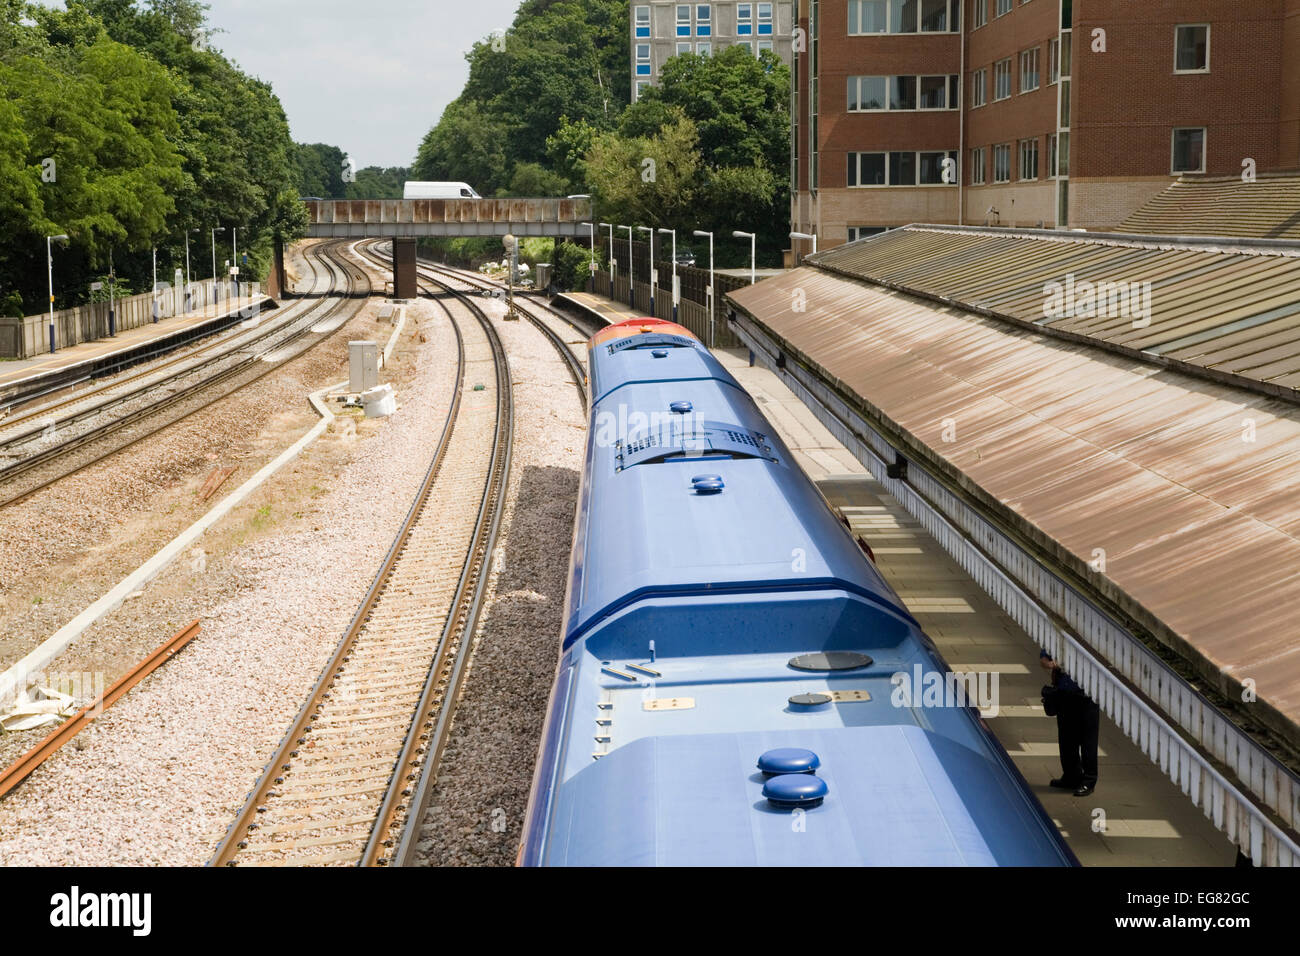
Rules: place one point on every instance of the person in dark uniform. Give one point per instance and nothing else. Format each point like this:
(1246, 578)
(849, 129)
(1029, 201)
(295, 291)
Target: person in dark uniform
(1078, 723)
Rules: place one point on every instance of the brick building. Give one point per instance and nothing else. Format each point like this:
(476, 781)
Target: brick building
(1064, 113)
(663, 29)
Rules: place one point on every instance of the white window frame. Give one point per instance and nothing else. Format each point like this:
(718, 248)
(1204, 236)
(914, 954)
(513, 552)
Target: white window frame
(687, 22)
(764, 45)
(1192, 26)
(704, 48)
(997, 8)
(690, 47)
(637, 22)
(979, 14)
(952, 18)
(1008, 62)
(1037, 76)
(1173, 150)
(1005, 149)
(1026, 146)
(760, 19)
(855, 157)
(745, 18)
(1054, 61)
(979, 86)
(977, 166)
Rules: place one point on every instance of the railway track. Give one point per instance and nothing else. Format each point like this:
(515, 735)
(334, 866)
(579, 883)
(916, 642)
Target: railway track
(349, 782)
(185, 390)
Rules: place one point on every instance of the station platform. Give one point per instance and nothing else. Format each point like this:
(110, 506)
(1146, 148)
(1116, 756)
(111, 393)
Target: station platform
(1136, 817)
(87, 359)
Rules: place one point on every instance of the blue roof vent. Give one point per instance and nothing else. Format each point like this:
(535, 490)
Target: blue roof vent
(707, 484)
(681, 408)
(788, 760)
(795, 791)
(660, 353)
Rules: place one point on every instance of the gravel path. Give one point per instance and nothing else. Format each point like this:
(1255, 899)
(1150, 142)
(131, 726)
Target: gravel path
(166, 769)
(478, 806)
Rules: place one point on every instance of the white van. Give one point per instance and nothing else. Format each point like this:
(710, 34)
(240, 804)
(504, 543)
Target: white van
(419, 190)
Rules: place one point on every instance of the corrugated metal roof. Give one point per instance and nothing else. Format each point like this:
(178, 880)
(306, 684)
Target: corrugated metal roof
(1227, 310)
(1200, 527)
(1267, 208)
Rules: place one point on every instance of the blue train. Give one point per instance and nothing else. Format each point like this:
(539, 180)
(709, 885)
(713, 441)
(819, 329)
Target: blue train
(725, 693)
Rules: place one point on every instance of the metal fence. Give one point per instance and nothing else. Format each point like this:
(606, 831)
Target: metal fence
(1106, 660)
(29, 336)
(692, 314)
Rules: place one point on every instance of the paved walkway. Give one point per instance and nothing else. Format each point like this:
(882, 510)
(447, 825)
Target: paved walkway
(13, 372)
(1147, 821)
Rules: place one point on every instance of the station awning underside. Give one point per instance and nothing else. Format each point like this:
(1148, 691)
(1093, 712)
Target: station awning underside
(1189, 489)
(1227, 309)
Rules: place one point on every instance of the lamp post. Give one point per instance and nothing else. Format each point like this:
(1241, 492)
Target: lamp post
(752, 239)
(214, 266)
(234, 258)
(631, 270)
(155, 285)
(712, 288)
(806, 235)
(591, 233)
(654, 276)
(613, 263)
(189, 284)
(675, 296)
(49, 271)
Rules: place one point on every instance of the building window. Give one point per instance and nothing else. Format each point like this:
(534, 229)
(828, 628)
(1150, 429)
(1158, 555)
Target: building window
(1029, 159)
(1002, 79)
(1051, 156)
(683, 19)
(744, 19)
(980, 9)
(901, 169)
(641, 86)
(902, 16)
(870, 93)
(937, 169)
(643, 59)
(1029, 70)
(765, 19)
(1002, 163)
(683, 48)
(1003, 8)
(703, 20)
(704, 49)
(642, 21)
(934, 92)
(1189, 150)
(1053, 61)
(868, 16)
(979, 87)
(862, 232)
(1192, 48)
(764, 45)
(977, 166)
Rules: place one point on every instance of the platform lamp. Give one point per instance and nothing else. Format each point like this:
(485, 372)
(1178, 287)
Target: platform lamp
(591, 234)
(673, 232)
(613, 263)
(189, 285)
(49, 269)
(215, 230)
(806, 235)
(752, 240)
(631, 270)
(653, 275)
(155, 285)
(712, 286)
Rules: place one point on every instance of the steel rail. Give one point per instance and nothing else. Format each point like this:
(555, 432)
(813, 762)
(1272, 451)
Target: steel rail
(235, 838)
(25, 465)
(19, 770)
(404, 806)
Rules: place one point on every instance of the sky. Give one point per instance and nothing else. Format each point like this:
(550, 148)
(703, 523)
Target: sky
(368, 77)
